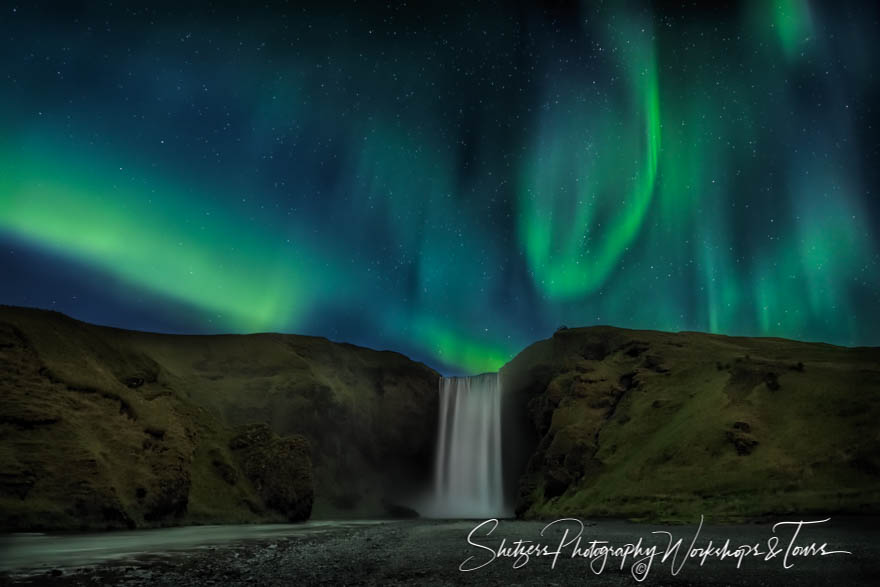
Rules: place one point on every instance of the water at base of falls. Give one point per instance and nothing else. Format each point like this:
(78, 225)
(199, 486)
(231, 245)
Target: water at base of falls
(467, 475)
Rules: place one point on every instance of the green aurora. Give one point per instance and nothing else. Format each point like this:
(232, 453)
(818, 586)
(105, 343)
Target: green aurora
(452, 185)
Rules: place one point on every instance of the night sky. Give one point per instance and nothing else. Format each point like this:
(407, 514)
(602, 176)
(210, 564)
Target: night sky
(451, 182)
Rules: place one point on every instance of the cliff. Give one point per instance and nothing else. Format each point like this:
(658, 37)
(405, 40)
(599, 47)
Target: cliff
(668, 426)
(104, 428)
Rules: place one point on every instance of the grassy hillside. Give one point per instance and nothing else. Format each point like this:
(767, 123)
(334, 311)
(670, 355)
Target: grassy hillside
(92, 437)
(110, 428)
(370, 415)
(665, 426)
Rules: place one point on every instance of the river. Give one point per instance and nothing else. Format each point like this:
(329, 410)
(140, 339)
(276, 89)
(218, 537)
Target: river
(434, 552)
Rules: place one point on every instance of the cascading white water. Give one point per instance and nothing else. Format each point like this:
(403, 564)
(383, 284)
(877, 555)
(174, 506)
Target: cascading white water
(467, 482)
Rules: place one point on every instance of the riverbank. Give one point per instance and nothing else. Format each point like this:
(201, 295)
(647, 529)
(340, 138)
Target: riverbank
(429, 552)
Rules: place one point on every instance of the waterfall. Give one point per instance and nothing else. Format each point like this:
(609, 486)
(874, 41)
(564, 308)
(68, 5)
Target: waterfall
(467, 477)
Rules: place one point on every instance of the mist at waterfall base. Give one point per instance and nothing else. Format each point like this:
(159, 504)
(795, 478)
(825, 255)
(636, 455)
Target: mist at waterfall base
(449, 180)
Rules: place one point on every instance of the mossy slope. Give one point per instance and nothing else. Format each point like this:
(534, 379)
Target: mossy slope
(668, 426)
(103, 427)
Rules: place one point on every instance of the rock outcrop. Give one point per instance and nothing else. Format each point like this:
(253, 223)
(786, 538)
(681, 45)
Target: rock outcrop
(668, 426)
(280, 469)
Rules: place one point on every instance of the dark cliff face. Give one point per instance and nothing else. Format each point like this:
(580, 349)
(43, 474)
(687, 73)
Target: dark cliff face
(109, 428)
(669, 426)
(279, 469)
